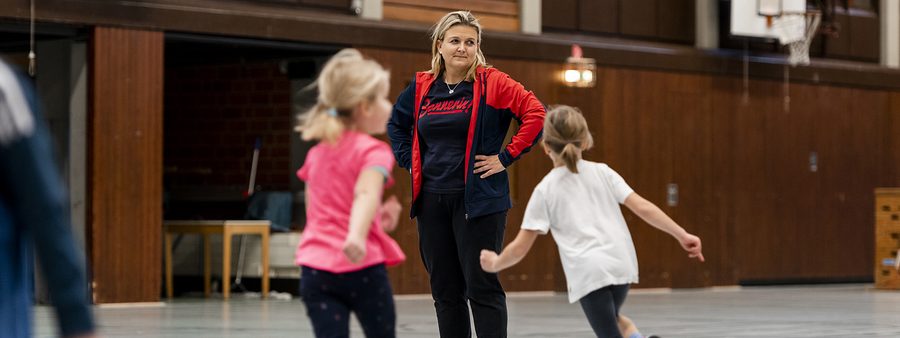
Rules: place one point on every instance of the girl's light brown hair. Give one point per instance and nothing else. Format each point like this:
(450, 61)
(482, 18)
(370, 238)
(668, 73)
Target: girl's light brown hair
(566, 134)
(346, 80)
(449, 20)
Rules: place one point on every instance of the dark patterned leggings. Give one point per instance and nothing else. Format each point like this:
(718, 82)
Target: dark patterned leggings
(330, 297)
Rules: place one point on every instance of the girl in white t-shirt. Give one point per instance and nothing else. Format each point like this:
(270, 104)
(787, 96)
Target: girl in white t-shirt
(579, 201)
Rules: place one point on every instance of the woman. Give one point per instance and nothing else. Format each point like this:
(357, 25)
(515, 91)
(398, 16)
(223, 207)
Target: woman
(447, 128)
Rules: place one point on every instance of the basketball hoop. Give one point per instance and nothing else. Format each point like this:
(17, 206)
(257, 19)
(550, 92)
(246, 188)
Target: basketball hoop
(797, 30)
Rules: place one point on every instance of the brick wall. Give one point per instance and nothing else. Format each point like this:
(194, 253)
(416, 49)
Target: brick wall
(213, 115)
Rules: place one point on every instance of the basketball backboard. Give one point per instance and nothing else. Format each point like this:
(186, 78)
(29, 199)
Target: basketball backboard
(746, 20)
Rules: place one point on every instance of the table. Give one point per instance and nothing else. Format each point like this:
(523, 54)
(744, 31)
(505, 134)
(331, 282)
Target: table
(227, 228)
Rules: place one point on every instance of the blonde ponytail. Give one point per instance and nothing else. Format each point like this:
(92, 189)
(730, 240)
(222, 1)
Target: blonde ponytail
(566, 134)
(321, 123)
(346, 80)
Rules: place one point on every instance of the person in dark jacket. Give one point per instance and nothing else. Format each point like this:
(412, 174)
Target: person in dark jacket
(448, 129)
(33, 218)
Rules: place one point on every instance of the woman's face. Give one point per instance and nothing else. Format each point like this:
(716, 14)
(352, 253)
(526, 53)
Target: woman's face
(459, 47)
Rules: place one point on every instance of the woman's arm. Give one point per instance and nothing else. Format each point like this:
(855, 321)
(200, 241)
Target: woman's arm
(526, 108)
(513, 253)
(366, 199)
(651, 214)
(506, 93)
(400, 126)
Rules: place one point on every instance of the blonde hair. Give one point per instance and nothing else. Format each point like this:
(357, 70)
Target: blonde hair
(566, 134)
(437, 34)
(346, 80)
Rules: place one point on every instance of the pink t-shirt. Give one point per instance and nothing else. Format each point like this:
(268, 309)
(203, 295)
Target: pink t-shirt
(330, 172)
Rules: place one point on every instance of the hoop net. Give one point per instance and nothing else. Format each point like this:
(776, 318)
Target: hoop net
(797, 30)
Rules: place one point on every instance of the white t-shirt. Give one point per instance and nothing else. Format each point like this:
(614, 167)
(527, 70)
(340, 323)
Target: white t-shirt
(583, 212)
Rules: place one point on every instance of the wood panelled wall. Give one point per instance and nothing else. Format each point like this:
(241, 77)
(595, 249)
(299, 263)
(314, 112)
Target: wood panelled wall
(741, 164)
(665, 20)
(125, 164)
(795, 214)
(498, 15)
(336, 6)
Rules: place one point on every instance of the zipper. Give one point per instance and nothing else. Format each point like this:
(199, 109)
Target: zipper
(481, 106)
(417, 105)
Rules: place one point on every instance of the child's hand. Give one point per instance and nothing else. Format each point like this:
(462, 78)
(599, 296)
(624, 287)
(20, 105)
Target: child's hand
(355, 249)
(488, 261)
(390, 213)
(691, 244)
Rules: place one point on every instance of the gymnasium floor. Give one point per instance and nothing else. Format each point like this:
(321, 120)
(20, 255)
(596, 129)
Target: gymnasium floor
(854, 310)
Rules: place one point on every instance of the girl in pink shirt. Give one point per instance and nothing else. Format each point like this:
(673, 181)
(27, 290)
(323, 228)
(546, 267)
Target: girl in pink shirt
(344, 248)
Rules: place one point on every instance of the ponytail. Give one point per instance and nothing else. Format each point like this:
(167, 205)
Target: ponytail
(566, 134)
(321, 123)
(570, 155)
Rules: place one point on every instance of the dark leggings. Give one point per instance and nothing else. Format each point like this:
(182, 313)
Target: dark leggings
(602, 309)
(450, 244)
(330, 297)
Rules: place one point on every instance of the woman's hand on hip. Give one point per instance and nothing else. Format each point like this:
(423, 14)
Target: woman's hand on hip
(488, 165)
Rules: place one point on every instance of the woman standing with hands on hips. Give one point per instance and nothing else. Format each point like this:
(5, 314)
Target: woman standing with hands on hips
(447, 128)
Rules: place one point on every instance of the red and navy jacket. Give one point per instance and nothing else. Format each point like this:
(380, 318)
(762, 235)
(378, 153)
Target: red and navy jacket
(497, 99)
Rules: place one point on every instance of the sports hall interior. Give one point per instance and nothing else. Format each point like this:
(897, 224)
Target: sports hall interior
(787, 172)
